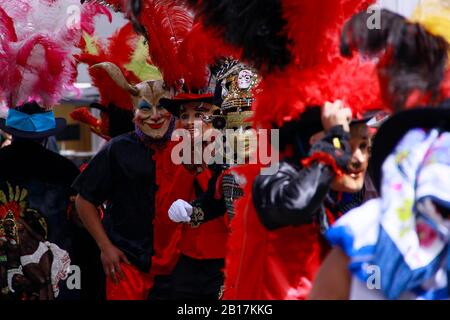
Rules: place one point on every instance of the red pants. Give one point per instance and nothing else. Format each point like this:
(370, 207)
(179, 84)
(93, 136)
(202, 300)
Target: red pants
(135, 286)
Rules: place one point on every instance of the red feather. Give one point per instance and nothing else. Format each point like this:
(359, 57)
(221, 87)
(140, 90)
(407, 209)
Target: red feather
(284, 95)
(166, 24)
(119, 51)
(122, 44)
(83, 115)
(90, 11)
(350, 7)
(199, 50)
(314, 28)
(318, 74)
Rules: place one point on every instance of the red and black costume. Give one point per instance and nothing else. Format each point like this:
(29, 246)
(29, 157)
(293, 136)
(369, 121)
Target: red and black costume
(199, 272)
(167, 234)
(279, 224)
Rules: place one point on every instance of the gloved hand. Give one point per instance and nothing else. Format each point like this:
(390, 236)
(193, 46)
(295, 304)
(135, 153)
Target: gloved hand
(180, 211)
(341, 155)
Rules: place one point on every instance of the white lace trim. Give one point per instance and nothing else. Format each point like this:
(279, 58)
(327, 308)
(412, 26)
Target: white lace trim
(60, 265)
(35, 257)
(11, 274)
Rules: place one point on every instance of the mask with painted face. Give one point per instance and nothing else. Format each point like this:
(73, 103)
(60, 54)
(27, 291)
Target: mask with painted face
(150, 118)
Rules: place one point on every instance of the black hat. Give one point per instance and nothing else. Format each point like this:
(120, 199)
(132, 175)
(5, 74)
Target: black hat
(30, 121)
(394, 129)
(174, 105)
(120, 120)
(297, 133)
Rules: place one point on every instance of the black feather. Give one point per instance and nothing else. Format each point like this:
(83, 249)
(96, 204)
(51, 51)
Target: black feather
(255, 26)
(413, 58)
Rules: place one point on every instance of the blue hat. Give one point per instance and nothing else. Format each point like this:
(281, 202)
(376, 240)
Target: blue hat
(32, 122)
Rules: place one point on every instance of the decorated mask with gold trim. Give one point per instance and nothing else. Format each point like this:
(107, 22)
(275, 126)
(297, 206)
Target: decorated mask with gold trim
(238, 83)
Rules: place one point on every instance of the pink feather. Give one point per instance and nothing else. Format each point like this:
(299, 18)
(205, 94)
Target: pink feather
(7, 27)
(92, 10)
(38, 47)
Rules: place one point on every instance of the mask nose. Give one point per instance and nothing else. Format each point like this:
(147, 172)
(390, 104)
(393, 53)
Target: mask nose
(156, 115)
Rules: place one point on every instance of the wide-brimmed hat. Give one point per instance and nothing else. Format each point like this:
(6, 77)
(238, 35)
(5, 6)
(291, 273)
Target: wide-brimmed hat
(30, 121)
(393, 130)
(174, 105)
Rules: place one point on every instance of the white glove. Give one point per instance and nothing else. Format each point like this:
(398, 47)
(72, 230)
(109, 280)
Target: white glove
(180, 211)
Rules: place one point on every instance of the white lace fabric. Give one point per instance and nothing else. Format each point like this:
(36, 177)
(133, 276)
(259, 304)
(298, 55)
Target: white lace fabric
(60, 264)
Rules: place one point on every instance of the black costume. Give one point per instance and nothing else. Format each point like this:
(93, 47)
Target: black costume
(122, 174)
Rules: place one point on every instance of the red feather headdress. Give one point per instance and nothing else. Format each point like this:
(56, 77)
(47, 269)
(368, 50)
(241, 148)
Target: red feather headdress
(181, 49)
(201, 49)
(317, 73)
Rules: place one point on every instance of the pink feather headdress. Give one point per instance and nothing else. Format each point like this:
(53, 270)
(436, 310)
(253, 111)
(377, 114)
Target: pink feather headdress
(38, 40)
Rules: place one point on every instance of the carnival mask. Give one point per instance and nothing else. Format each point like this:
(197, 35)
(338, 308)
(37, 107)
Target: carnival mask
(153, 120)
(237, 88)
(245, 79)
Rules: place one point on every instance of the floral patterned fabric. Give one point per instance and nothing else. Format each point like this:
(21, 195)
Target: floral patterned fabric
(402, 234)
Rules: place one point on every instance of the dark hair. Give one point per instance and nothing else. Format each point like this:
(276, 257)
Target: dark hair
(411, 58)
(297, 133)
